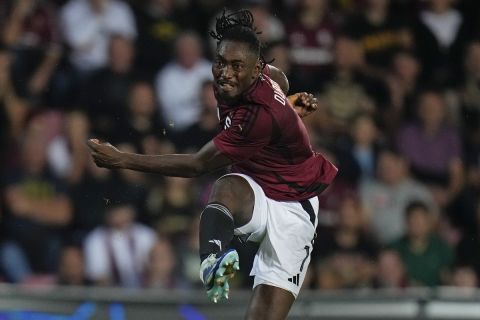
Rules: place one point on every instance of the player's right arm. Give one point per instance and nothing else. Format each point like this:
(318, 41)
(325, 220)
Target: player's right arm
(248, 132)
(207, 159)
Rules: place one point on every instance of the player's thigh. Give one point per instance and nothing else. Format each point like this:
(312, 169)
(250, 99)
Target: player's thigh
(284, 253)
(269, 303)
(236, 193)
(249, 196)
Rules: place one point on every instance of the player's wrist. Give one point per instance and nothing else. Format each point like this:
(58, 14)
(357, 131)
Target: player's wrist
(124, 160)
(292, 98)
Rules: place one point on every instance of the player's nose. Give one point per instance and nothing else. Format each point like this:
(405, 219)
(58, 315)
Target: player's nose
(227, 72)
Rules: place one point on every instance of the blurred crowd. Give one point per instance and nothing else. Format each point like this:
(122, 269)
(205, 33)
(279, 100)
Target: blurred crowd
(398, 84)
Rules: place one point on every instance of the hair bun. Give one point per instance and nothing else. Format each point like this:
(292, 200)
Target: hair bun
(243, 18)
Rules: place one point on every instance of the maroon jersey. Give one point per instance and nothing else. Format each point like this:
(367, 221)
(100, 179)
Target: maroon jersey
(268, 141)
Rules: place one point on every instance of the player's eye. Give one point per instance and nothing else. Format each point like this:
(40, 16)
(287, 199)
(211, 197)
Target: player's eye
(219, 63)
(237, 66)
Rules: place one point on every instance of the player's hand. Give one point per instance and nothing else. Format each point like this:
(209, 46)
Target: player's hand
(304, 103)
(104, 154)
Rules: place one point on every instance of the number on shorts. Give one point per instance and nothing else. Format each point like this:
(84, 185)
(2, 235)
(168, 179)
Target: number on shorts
(307, 249)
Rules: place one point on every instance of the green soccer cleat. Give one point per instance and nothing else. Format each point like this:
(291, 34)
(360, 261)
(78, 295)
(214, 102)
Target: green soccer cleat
(215, 273)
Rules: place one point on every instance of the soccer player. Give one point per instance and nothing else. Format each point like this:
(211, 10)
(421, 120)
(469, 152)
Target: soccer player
(271, 194)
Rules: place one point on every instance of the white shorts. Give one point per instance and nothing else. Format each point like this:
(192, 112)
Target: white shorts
(285, 231)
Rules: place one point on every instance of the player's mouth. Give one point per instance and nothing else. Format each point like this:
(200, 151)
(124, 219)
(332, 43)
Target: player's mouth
(225, 86)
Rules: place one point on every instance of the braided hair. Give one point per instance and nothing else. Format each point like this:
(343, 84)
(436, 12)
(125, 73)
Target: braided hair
(238, 26)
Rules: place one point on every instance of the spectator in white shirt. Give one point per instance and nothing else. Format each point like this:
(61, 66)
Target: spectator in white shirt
(87, 27)
(178, 83)
(386, 197)
(116, 254)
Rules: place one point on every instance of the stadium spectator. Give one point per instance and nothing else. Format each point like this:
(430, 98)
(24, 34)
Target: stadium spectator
(71, 268)
(176, 207)
(403, 83)
(379, 32)
(188, 255)
(94, 188)
(327, 277)
(141, 125)
(386, 197)
(89, 194)
(131, 186)
(112, 83)
(390, 272)
(464, 278)
(469, 93)
(311, 34)
(14, 108)
(158, 24)
(116, 253)
(366, 144)
(66, 153)
(31, 32)
(427, 258)
(87, 26)
(358, 152)
(37, 209)
(198, 134)
(466, 253)
(178, 84)
(331, 199)
(470, 90)
(440, 34)
(161, 266)
(347, 91)
(433, 148)
(87, 46)
(272, 28)
(349, 248)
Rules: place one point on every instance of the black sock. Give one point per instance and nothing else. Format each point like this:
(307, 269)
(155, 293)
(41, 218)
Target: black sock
(216, 229)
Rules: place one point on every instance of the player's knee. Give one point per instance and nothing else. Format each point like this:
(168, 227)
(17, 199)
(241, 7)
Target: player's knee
(235, 193)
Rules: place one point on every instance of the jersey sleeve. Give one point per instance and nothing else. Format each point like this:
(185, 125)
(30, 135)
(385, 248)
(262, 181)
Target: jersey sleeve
(245, 132)
(266, 70)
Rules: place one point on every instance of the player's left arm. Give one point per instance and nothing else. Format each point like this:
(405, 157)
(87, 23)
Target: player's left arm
(304, 103)
(207, 159)
(279, 77)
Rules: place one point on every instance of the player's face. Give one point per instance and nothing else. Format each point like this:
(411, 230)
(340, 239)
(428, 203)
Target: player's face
(234, 69)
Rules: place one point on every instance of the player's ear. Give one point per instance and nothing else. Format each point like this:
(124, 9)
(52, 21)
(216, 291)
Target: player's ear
(258, 69)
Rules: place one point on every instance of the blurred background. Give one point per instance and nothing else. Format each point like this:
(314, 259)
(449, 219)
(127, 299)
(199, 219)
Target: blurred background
(398, 84)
